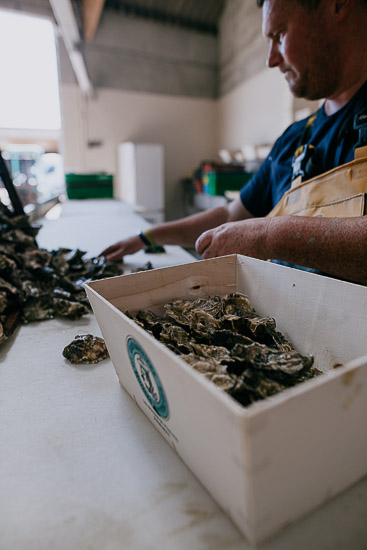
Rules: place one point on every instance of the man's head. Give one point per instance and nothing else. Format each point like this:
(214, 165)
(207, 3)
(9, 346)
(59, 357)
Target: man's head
(309, 41)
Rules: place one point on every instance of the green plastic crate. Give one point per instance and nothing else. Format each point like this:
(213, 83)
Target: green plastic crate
(89, 186)
(217, 183)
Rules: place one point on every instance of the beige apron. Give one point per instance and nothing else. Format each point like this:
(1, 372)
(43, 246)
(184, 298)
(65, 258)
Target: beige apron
(340, 192)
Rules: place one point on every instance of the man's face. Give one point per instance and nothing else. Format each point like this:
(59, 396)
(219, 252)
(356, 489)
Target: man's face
(301, 46)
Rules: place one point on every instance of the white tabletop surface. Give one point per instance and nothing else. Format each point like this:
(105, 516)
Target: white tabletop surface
(82, 468)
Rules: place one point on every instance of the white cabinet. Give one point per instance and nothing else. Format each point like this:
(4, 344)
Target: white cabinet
(141, 178)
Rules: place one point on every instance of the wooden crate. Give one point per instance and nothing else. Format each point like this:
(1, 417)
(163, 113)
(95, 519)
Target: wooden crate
(272, 462)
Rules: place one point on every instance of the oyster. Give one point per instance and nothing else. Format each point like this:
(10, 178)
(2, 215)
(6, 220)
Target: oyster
(238, 305)
(219, 353)
(37, 309)
(36, 259)
(203, 324)
(145, 267)
(179, 339)
(3, 300)
(263, 357)
(260, 329)
(183, 311)
(226, 340)
(150, 322)
(202, 364)
(224, 382)
(21, 240)
(86, 349)
(6, 263)
(206, 365)
(69, 309)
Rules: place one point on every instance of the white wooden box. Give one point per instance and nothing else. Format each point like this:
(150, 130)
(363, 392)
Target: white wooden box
(270, 463)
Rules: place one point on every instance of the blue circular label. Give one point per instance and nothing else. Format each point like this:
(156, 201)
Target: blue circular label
(147, 377)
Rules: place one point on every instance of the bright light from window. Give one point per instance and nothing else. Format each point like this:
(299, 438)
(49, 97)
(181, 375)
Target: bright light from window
(29, 89)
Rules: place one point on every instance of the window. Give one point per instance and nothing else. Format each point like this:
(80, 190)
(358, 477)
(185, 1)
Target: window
(29, 90)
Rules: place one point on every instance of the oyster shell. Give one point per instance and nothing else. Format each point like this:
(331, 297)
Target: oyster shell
(219, 353)
(202, 364)
(6, 263)
(145, 267)
(238, 305)
(36, 259)
(150, 322)
(183, 311)
(177, 337)
(263, 357)
(3, 300)
(86, 349)
(38, 309)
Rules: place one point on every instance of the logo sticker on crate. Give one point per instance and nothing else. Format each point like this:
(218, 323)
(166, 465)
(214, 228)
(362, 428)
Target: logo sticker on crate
(147, 377)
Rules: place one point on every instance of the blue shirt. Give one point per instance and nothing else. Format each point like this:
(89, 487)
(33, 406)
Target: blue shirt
(334, 146)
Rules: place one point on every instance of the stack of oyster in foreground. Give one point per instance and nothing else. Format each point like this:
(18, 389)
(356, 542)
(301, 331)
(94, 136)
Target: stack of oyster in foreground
(226, 340)
(37, 284)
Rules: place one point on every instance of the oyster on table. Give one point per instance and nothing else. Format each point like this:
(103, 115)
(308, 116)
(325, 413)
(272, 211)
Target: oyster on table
(86, 349)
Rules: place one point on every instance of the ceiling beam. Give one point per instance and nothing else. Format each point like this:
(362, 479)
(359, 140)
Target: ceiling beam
(92, 11)
(69, 30)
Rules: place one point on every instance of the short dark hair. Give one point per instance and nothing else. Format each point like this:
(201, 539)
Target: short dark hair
(309, 4)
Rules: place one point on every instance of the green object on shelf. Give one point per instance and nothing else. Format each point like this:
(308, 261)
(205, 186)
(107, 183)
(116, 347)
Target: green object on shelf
(217, 183)
(89, 186)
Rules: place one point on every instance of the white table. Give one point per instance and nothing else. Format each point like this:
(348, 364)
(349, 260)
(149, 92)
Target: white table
(82, 468)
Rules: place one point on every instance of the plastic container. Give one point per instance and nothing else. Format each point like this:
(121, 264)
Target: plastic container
(89, 186)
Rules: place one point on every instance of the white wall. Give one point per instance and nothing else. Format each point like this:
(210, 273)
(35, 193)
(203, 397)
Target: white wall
(186, 127)
(255, 112)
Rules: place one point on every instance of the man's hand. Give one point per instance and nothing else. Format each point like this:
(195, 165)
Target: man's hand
(246, 237)
(118, 250)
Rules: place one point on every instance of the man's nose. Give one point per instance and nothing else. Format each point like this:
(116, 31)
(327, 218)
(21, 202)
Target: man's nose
(274, 56)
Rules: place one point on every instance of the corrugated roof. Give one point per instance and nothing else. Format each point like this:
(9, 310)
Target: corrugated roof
(199, 15)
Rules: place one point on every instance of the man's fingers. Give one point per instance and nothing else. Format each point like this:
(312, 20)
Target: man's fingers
(108, 251)
(115, 255)
(203, 242)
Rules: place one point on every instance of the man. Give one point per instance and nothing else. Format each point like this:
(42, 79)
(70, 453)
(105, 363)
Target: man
(320, 46)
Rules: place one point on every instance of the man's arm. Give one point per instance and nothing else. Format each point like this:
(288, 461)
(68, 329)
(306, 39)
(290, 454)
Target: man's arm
(337, 246)
(183, 232)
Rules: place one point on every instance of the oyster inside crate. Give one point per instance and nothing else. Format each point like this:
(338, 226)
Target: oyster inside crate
(225, 339)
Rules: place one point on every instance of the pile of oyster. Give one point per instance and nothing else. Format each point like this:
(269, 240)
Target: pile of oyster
(226, 340)
(37, 284)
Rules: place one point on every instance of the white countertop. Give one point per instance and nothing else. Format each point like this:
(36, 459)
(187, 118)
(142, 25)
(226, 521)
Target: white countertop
(82, 468)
